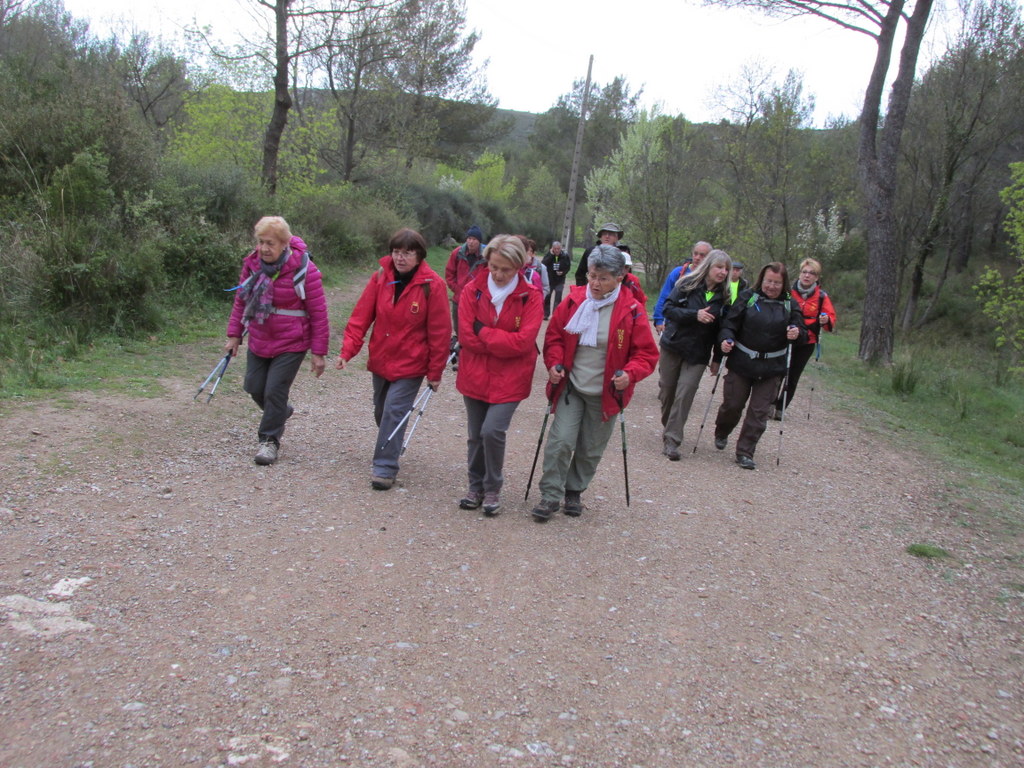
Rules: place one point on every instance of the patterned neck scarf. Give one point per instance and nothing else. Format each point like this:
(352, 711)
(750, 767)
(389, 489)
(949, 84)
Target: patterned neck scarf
(258, 294)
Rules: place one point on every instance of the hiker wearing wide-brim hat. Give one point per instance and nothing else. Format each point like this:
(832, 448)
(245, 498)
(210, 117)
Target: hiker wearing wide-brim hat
(406, 305)
(609, 234)
(280, 302)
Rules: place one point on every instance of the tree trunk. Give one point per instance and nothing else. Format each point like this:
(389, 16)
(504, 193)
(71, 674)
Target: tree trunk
(877, 162)
(282, 99)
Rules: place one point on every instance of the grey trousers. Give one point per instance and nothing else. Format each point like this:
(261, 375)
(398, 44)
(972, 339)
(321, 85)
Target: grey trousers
(735, 393)
(487, 423)
(269, 380)
(574, 446)
(678, 382)
(391, 401)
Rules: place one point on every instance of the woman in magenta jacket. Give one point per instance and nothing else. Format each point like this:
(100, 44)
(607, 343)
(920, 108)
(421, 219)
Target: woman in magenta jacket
(406, 304)
(598, 345)
(281, 303)
(500, 313)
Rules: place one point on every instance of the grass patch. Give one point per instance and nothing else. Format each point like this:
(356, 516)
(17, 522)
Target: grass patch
(927, 551)
(946, 401)
(43, 358)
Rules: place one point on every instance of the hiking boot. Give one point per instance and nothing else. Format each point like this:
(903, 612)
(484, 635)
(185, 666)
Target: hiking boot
(745, 461)
(776, 414)
(671, 449)
(267, 453)
(381, 483)
(543, 511)
(573, 504)
(492, 504)
(721, 442)
(472, 500)
(289, 412)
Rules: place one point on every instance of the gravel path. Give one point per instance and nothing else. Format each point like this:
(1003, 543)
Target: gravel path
(166, 602)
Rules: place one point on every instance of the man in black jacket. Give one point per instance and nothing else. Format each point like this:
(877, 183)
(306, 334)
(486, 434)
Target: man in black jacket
(557, 263)
(609, 234)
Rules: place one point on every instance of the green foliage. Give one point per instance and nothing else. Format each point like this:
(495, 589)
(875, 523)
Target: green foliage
(222, 128)
(341, 222)
(540, 204)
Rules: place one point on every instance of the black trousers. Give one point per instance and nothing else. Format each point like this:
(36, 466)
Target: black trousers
(269, 380)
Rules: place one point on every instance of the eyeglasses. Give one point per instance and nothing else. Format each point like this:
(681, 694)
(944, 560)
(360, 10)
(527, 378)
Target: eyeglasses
(399, 253)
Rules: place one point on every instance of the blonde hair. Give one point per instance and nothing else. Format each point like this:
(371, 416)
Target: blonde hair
(510, 247)
(275, 227)
(815, 265)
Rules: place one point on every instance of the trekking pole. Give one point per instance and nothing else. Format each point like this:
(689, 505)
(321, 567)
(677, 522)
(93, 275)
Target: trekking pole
(622, 425)
(817, 357)
(782, 417)
(707, 408)
(416, 421)
(218, 371)
(408, 413)
(424, 395)
(540, 440)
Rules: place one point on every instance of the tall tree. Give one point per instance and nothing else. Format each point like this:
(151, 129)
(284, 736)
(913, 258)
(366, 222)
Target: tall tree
(434, 70)
(287, 40)
(966, 110)
(654, 185)
(884, 21)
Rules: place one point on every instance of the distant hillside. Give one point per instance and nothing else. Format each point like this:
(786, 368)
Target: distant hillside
(522, 124)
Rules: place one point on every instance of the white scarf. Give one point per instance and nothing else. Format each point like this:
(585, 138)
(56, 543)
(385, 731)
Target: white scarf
(500, 293)
(585, 321)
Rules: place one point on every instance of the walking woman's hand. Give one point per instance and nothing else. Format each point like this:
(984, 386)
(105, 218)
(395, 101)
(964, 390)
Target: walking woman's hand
(620, 380)
(232, 345)
(339, 364)
(434, 384)
(556, 373)
(319, 363)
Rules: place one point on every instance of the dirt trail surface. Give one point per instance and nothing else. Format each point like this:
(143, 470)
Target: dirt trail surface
(166, 602)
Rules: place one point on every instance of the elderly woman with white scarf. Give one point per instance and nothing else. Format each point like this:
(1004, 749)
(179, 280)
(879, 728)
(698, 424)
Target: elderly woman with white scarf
(598, 345)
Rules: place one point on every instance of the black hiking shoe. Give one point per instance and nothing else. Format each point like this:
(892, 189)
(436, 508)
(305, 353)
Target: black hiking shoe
(544, 510)
(573, 504)
(721, 442)
(746, 462)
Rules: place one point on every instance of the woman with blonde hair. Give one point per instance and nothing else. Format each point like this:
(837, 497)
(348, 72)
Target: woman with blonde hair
(818, 314)
(500, 314)
(280, 302)
(693, 315)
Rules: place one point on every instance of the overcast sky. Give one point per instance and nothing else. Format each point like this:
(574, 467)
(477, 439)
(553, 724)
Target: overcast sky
(678, 52)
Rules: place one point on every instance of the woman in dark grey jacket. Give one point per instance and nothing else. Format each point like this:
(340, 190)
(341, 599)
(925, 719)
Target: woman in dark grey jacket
(693, 314)
(756, 334)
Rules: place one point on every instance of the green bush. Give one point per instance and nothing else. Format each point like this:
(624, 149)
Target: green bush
(341, 222)
(203, 258)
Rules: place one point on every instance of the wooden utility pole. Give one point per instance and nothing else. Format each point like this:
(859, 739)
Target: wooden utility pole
(570, 203)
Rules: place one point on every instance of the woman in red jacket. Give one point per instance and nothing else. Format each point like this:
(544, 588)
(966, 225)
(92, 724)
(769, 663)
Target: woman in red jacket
(500, 313)
(280, 302)
(406, 303)
(597, 347)
(819, 315)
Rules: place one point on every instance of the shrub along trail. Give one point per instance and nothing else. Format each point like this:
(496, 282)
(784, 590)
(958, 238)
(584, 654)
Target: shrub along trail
(164, 601)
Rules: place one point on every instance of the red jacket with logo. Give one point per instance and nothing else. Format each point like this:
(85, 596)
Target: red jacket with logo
(811, 307)
(631, 345)
(496, 365)
(410, 337)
